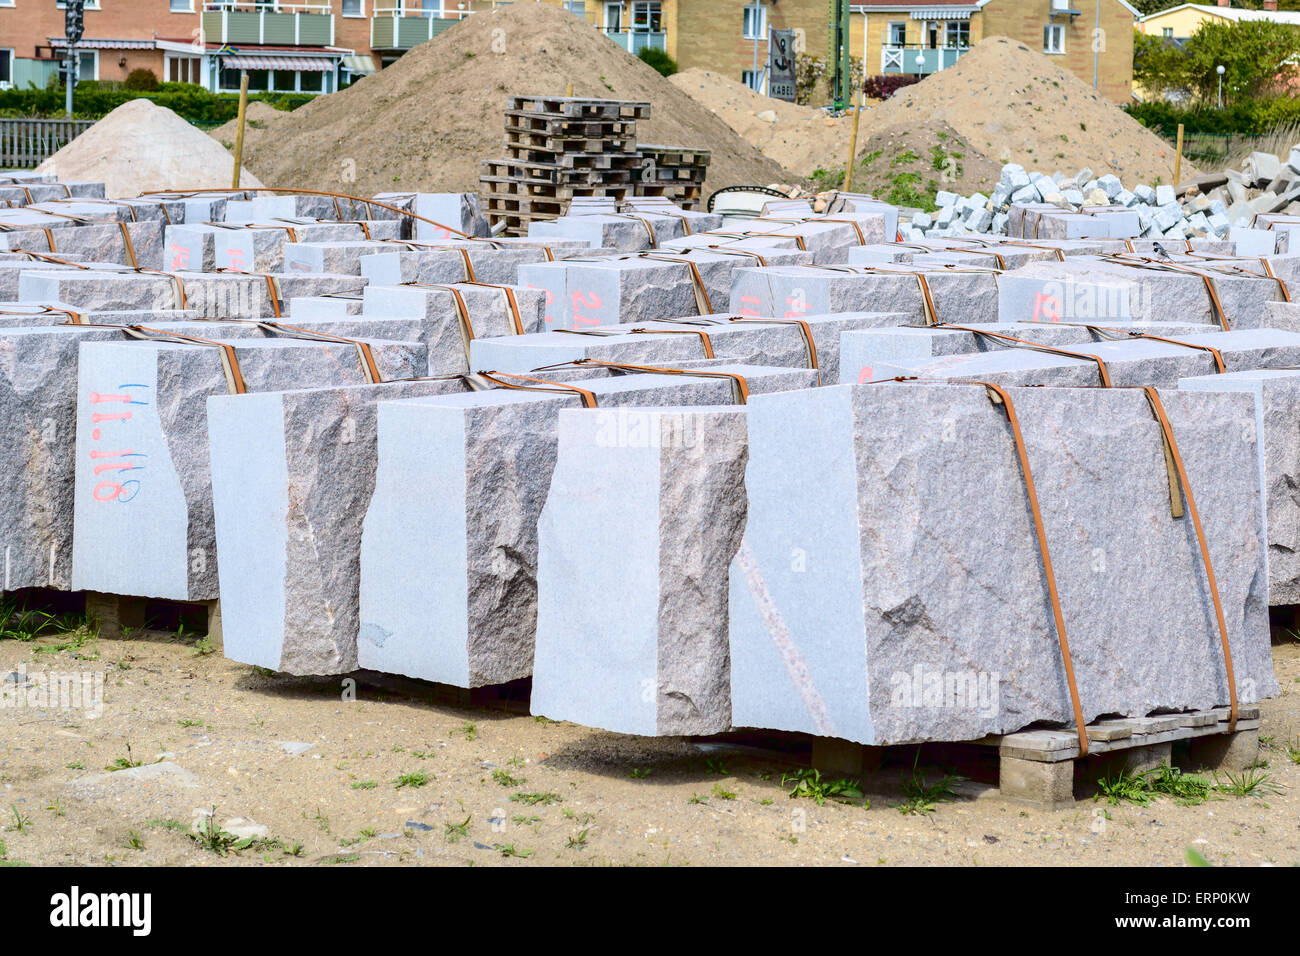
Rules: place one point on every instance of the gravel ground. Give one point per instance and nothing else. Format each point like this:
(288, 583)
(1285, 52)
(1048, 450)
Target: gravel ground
(410, 774)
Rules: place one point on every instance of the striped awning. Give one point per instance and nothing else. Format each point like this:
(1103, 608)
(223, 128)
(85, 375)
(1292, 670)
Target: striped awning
(358, 64)
(307, 64)
(88, 43)
(943, 13)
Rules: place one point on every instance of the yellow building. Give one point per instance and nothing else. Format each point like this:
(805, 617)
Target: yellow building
(1091, 38)
(727, 36)
(1180, 22)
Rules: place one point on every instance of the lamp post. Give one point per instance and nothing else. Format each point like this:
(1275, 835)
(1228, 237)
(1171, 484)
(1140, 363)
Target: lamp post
(1220, 69)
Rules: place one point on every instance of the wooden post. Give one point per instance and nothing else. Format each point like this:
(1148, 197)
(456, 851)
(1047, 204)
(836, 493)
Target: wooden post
(239, 131)
(1178, 157)
(569, 91)
(853, 143)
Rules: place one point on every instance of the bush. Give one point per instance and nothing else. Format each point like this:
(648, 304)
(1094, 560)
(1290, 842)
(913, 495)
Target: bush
(1245, 118)
(187, 100)
(660, 60)
(883, 87)
(141, 79)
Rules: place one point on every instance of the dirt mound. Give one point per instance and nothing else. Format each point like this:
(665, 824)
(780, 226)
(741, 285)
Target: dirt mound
(801, 139)
(140, 146)
(908, 166)
(261, 119)
(1015, 105)
(426, 121)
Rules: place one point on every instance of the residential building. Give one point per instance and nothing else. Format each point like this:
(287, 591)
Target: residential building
(1180, 22)
(1091, 38)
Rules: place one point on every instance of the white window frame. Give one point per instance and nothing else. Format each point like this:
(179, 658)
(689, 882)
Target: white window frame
(615, 8)
(7, 82)
(90, 4)
(1167, 33)
(747, 29)
(889, 33)
(81, 73)
(752, 79)
(1051, 30)
(646, 6)
(954, 26)
(359, 15)
(187, 8)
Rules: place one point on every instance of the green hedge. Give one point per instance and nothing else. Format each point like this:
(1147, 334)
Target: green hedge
(90, 101)
(1254, 118)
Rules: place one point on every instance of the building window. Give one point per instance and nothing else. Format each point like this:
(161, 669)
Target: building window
(647, 16)
(957, 34)
(6, 69)
(181, 69)
(577, 7)
(898, 34)
(351, 8)
(87, 66)
(753, 79)
(311, 82)
(1053, 38)
(1167, 32)
(182, 6)
(755, 22)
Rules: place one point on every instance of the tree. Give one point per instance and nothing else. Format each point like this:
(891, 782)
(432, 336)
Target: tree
(1254, 55)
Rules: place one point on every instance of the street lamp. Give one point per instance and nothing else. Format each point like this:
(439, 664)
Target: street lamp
(1220, 69)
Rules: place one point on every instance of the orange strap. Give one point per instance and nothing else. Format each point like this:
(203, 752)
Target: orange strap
(1000, 396)
(702, 300)
(130, 247)
(272, 286)
(1153, 397)
(803, 327)
(229, 360)
(1160, 265)
(74, 318)
(739, 387)
(704, 337)
(588, 398)
(1102, 371)
(369, 367)
(462, 312)
(306, 192)
(511, 301)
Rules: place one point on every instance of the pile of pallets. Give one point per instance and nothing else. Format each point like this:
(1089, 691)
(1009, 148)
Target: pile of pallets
(559, 148)
(674, 172)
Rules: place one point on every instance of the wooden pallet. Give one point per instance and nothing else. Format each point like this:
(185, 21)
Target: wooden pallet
(517, 140)
(493, 186)
(572, 106)
(1043, 767)
(575, 160)
(675, 155)
(120, 615)
(543, 175)
(547, 124)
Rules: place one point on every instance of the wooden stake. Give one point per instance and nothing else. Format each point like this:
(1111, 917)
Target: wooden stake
(569, 91)
(1178, 157)
(239, 130)
(853, 145)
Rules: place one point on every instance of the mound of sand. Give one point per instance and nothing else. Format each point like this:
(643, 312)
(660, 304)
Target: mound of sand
(1013, 104)
(801, 139)
(140, 146)
(261, 120)
(426, 121)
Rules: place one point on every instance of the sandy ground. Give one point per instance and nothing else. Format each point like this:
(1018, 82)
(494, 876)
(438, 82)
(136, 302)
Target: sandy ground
(503, 788)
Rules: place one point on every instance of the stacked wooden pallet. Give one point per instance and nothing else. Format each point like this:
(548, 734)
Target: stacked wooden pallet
(675, 172)
(557, 149)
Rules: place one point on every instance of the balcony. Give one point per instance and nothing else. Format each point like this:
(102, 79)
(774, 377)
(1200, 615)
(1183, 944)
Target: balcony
(398, 32)
(637, 40)
(902, 59)
(280, 24)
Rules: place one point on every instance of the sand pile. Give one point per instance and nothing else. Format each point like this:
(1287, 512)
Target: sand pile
(801, 139)
(140, 146)
(261, 119)
(1015, 105)
(426, 121)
